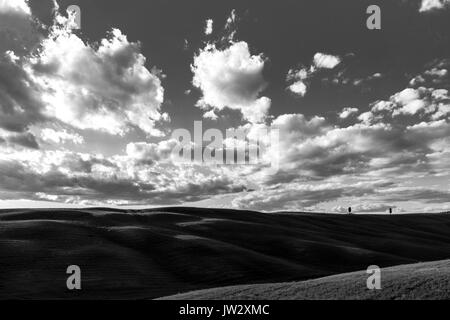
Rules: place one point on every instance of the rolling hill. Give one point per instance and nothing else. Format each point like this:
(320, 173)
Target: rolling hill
(428, 280)
(134, 254)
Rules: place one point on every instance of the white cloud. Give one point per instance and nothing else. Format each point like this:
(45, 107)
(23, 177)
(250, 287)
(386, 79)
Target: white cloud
(75, 86)
(70, 85)
(382, 106)
(209, 26)
(300, 74)
(298, 88)
(299, 125)
(366, 117)
(62, 136)
(421, 102)
(210, 115)
(230, 28)
(149, 153)
(298, 78)
(17, 6)
(326, 61)
(432, 5)
(411, 107)
(145, 175)
(437, 74)
(406, 96)
(231, 78)
(442, 111)
(107, 89)
(347, 112)
(383, 144)
(231, 18)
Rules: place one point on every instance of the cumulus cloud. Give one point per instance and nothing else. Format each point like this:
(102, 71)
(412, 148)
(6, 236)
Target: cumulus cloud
(298, 88)
(351, 77)
(210, 115)
(70, 92)
(407, 133)
(230, 27)
(326, 61)
(149, 153)
(297, 78)
(138, 177)
(22, 181)
(107, 88)
(62, 136)
(18, 6)
(70, 89)
(347, 112)
(231, 78)
(209, 26)
(433, 5)
(299, 125)
(422, 102)
(436, 74)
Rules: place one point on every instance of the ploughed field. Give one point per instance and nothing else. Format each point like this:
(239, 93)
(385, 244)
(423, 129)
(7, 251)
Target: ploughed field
(154, 253)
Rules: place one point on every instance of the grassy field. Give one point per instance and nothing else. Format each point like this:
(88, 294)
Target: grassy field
(428, 280)
(156, 253)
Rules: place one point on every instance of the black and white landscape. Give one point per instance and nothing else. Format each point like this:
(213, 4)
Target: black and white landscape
(224, 149)
(156, 253)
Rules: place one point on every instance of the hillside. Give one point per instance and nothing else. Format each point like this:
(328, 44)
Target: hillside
(429, 280)
(156, 253)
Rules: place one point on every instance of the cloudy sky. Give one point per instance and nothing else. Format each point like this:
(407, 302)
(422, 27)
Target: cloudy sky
(86, 115)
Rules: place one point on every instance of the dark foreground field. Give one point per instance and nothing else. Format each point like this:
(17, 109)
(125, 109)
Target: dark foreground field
(156, 253)
(428, 280)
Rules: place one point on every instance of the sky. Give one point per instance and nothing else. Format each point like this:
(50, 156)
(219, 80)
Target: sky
(87, 113)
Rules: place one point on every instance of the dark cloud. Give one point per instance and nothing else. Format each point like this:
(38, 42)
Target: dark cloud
(83, 185)
(17, 28)
(20, 99)
(77, 164)
(417, 194)
(26, 140)
(301, 195)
